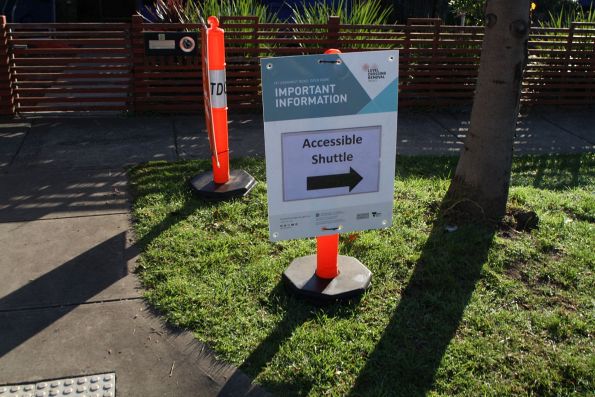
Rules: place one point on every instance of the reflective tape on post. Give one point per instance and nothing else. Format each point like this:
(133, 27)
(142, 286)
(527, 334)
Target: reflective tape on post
(218, 88)
(218, 100)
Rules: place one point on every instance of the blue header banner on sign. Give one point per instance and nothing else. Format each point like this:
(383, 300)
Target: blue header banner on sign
(314, 86)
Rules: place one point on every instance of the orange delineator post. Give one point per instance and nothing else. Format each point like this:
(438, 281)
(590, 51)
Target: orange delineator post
(327, 247)
(222, 183)
(327, 255)
(218, 101)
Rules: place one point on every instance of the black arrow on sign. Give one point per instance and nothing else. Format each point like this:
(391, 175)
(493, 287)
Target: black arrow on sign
(350, 179)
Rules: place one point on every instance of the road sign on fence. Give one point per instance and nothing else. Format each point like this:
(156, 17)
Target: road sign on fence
(171, 43)
(330, 126)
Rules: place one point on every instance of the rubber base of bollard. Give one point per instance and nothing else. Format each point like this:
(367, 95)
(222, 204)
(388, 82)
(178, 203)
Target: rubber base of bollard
(354, 278)
(239, 184)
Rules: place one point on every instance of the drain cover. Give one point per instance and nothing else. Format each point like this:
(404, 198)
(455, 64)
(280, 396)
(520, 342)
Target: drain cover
(99, 385)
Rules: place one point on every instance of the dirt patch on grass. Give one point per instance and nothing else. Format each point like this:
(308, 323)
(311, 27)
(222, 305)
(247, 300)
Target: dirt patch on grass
(550, 291)
(514, 273)
(518, 220)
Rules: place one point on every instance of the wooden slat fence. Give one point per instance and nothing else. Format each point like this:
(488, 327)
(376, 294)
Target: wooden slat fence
(561, 66)
(165, 83)
(438, 63)
(6, 94)
(70, 66)
(81, 67)
(431, 73)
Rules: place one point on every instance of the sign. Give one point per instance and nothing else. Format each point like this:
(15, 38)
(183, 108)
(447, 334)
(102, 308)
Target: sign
(330, 163)
(330, 126)
(171, 43)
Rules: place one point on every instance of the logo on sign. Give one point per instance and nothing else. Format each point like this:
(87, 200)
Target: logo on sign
(374, 72)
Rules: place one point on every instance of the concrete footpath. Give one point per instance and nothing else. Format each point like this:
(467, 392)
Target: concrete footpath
(70, 305)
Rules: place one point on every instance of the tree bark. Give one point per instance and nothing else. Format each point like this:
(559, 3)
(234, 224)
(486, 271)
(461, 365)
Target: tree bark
(482, 177)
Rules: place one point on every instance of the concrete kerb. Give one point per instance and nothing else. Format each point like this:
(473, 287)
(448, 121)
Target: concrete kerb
(149, 358)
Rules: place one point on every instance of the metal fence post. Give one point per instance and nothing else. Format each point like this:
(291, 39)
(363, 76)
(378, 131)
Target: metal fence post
(333, 27)
(7, 106)
(568, 63)
(136, 57)
(592, 68)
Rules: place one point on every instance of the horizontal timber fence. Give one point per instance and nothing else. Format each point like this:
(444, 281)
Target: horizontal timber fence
(61, 67)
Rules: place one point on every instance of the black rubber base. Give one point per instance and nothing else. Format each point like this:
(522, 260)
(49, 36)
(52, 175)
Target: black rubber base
(239, 184)
(353, 279)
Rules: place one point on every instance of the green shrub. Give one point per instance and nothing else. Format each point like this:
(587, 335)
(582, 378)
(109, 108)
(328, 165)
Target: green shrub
(352, 12)
(473, 10)
(219, 8)
(565, 17)
(193, 11)
(167, 11)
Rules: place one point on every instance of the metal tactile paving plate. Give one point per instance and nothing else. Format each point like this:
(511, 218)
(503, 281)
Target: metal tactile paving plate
(99, 385)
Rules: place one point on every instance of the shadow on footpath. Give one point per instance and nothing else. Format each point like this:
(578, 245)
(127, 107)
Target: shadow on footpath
(63, 289)
(48, 194)
(78, 280)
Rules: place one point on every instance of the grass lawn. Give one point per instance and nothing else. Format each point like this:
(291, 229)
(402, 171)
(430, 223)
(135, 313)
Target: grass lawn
(470, 312)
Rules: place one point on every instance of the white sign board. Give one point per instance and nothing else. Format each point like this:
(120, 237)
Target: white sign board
(330, 163)
(330, 126)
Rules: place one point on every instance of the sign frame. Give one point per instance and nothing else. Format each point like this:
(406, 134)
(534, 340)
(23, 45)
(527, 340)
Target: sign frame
(348, 209)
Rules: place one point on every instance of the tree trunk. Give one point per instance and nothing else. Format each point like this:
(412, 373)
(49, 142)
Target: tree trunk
(482, 177)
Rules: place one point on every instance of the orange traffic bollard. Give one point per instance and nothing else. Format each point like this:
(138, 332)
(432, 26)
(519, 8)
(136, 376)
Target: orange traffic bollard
(218, 100)
(318, 276)
(327, 255)
(327, 247)
(222, 183)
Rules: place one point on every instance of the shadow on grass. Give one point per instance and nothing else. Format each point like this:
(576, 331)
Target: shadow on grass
(296, 312)
(554, 172)
(409, 353)
(406, 359)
